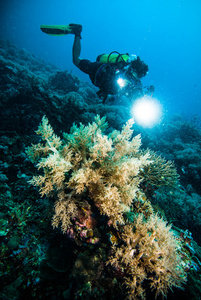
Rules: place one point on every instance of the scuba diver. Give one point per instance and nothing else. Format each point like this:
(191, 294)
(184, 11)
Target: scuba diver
(113, 74)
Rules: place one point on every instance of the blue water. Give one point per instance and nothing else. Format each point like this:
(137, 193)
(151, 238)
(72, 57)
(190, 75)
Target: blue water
(166, 34)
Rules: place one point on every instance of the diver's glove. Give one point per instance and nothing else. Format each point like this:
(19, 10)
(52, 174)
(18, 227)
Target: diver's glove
(149, 89)
(76, 29)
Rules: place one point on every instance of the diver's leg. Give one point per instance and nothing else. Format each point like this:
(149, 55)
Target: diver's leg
(76, 50)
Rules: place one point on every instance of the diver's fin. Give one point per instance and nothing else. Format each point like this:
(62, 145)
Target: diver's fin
(56, 29)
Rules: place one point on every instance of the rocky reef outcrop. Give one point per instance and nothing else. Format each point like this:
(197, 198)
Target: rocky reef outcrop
(40, 262)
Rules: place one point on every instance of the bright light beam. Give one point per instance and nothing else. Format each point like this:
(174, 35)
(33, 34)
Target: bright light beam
(147, 111)
(121, 82)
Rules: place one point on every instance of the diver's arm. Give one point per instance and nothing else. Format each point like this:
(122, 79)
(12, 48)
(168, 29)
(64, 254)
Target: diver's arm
(76, 50)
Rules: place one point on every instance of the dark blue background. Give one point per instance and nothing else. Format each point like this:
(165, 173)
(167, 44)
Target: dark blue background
(165, 33)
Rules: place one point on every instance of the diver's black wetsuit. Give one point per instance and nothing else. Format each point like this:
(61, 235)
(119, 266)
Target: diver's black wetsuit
(89, 68)
(102, 75)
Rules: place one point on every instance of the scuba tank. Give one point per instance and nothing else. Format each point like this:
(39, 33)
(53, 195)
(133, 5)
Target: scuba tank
(113, 57)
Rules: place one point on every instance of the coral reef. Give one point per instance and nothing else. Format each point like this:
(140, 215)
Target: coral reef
(39, 262)
(179, 140)
(88, 170)
(149, 254)
(105, 168)
(185, 208)
(160, 172)
(30, 88)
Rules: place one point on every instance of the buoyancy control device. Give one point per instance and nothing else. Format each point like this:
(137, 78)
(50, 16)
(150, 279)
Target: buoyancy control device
(113, 57)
